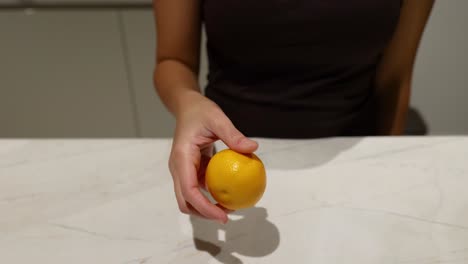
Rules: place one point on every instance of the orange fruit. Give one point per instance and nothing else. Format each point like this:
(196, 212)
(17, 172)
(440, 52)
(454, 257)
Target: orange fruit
(235, 180)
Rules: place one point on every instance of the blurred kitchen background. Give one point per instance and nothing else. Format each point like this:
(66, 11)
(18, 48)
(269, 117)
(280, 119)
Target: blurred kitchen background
(84, 69)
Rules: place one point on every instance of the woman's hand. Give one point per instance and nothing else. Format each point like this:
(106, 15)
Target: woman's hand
(200, 122)
(199, 125)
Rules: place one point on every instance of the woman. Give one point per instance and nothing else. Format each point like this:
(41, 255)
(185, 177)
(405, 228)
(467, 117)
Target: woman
(282, 69)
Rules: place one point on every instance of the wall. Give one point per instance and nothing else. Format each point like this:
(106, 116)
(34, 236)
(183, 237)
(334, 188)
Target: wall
(441, 72)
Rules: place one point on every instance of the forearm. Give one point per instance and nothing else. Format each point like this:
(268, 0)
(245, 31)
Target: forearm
(178, 36)
(393, 104)
(176, 85)
(394, 72)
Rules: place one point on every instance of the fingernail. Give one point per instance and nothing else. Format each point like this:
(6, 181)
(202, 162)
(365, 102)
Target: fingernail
(254, 143)
(241, 140)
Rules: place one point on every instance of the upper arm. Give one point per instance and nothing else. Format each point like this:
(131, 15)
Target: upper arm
(398, 59)
(178, 31)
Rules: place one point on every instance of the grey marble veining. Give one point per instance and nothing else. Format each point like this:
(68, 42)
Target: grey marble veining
(341, 200)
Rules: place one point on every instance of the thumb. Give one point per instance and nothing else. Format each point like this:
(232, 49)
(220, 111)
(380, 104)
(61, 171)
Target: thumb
(233, 138)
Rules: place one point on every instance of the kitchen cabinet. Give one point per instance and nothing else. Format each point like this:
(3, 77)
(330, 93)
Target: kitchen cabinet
(62, 74)
(9, 2)
(87, 2)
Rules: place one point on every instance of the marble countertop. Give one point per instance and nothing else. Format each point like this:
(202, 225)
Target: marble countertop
(340, 200)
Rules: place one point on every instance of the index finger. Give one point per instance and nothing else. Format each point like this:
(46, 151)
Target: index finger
(187, 172)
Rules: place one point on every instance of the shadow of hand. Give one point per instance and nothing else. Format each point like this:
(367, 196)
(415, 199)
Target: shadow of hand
(251, 235)
(291, 155)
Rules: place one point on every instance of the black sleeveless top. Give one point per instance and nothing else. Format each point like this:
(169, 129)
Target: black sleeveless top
(297, 68)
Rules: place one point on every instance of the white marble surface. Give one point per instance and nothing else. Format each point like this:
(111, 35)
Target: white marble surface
(370, 200)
